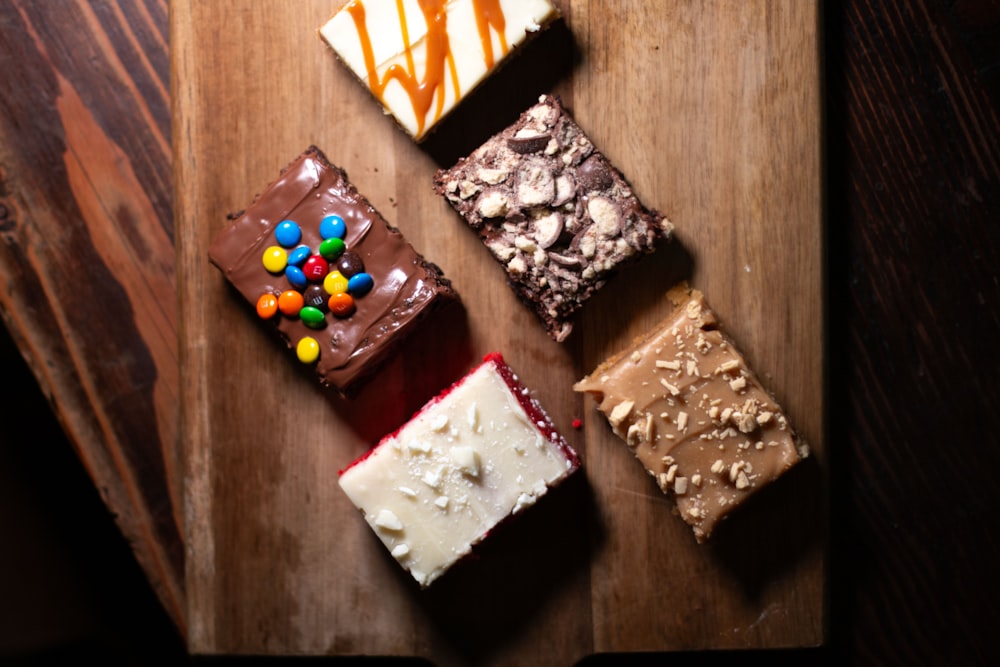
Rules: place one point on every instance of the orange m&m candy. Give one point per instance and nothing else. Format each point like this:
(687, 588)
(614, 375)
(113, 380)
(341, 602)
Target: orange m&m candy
(341, 304)
(267, 306)
(290, 302)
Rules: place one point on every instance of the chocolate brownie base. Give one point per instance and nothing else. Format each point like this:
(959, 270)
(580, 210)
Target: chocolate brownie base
(405, 287)
(552, 210)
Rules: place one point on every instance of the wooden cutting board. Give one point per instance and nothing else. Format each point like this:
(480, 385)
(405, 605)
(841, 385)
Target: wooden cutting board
(713, 112)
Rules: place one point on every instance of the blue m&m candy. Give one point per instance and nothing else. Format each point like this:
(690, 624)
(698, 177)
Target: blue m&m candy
(287, 233)
(360, 284)
(298, 256)
(332, 227)
(296, 276)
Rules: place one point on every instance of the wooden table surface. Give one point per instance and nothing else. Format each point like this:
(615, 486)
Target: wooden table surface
(912, 167)
(713, 115)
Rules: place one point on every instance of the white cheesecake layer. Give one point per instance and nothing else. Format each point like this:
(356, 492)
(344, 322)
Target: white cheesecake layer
(468, 57)
(461, 466)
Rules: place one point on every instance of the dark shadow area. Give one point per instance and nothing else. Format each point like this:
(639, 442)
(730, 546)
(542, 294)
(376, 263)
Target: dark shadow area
(528, 558)
(775, 528)
(646, 282)
(500, 99)
(807, 657)
(70, 586)
(309, 661)
(841, 566)
(433, 356)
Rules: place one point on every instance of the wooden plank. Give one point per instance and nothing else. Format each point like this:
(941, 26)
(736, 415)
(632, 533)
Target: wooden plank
(713, 112)
(87, 261)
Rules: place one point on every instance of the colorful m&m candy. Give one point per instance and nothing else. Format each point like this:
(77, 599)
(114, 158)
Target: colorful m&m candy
(325, 279)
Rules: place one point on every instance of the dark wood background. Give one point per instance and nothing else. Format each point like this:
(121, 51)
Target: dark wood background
(913, 251)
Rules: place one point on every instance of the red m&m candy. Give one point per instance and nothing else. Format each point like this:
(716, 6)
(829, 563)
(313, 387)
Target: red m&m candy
(315, 268)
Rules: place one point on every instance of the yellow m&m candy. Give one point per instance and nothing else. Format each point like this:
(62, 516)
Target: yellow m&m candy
(335, 283)
(275, 259)
(307, 350)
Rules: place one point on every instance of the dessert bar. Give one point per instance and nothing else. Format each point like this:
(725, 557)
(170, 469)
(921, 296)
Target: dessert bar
(480, 452)
(684, 401)
(341, 286)
(421, 58)
(552, 210)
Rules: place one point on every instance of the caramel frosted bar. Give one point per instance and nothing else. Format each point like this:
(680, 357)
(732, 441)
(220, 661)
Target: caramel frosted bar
(553, 210)
(421, 58)
(693, 413)
(482, 451)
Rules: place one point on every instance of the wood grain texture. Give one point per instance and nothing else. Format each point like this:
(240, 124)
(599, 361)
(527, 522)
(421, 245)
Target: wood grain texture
(712, 111)
(915, 174)
(87, 255)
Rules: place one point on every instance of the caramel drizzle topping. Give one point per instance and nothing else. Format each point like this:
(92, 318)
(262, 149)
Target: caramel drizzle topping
(423, 92)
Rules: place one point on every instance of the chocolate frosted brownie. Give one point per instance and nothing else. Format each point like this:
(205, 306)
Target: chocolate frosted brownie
(698, 419)
(553, 210)
(341, 286)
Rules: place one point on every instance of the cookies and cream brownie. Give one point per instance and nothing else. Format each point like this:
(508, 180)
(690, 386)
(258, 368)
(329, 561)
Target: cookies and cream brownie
(421, 58)
(697, 418)
(341, 286)
(480, 452)
(552, 210)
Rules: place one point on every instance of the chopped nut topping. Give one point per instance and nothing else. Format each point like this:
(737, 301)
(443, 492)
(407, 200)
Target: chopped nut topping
(746, 423)
(492, 176)
(738, 384)
(682, 420)
(681, 486)
(467, 188)
(672, 365)
(692, 368)
(632, 437)
(605, 215)
(636, 357)
(696, 479)
(742, 481)
(493, 205)
(525, 244)
(718, 466)
(517, 266)
(650, 428)
(728, 366)
(674, 391)
(663, 482)
(620, 412)
(693, 310)
(764, 417)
